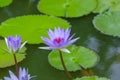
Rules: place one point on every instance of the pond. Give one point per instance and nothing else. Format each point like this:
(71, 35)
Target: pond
(107, 47)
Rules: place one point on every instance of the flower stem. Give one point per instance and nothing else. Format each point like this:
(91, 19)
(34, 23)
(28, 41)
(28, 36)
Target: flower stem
(65, 69)
(16, 65)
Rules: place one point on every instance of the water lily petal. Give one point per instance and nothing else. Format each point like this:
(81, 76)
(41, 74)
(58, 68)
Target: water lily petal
(65, 50)
(47, 48)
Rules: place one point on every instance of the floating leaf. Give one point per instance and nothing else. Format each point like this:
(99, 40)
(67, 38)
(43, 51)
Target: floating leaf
(108, 23)
(67, 8)
(4, 3)
(111, 5)
(7, 59)
(102, 5)
(30, 27)
(79, 56)
(115, 5)
(92, 78)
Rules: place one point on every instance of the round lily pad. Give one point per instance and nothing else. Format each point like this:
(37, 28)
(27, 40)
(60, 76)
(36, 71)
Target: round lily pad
(4, 3)
(92, 78)
(31, 27)
(7, 59)
(67, 8)
(108, 23)
(79, 56)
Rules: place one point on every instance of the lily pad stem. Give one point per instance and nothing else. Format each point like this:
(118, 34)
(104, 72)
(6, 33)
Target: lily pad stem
(16, 65)
(65, 69)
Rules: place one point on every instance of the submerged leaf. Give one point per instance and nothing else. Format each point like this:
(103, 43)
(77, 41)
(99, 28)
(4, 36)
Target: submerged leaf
(7, 59)
(79, 56)
(67, 8)
(4, 3)
(92, 78)
(31, 27)
(108, 23)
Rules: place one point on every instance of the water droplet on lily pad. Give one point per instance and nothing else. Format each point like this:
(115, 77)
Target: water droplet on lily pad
(67, 8)
(31, 27)
(79, 56)
(4, 3)
(108, 23)
(92, 78)
(7, 59)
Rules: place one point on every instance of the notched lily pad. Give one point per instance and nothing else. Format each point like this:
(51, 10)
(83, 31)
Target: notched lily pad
(79, 56)
(4, 3)
(92, 78)
(67, 8)
(6, 59)
(108, 23)
(31, 27)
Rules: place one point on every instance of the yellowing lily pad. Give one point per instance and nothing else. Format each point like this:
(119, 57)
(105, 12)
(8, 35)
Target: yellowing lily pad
(67, 8)
(92, 78)
(7, 59)
(4, 3)
(31, 27)
(79, 56)
(108, 23)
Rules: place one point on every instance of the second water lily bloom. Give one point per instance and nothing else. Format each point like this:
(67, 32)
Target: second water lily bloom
(23, 75)
(59, 39)
(14, 43)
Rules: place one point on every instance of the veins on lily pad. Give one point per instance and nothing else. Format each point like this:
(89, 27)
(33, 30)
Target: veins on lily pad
(37, 25)
(79, 56)
(67, 8)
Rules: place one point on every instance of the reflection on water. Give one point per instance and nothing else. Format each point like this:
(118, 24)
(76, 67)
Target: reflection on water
(92, 43)
(115, 71)
(112, 51)
(107, 47)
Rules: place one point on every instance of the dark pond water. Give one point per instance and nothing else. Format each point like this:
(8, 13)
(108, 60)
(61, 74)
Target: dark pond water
(107, 47)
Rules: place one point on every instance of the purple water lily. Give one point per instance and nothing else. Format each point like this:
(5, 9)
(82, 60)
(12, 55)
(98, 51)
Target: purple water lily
(23, 75)
(59, 39)
(14, 43)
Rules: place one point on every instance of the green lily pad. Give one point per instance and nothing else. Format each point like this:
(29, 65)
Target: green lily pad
(31, 27)
(111, 5)
(7, 59)
(108, 23)
(67, 8)
(102, 5)
(92, 78)
(115, 5)
(4, 3)
(79, 56)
